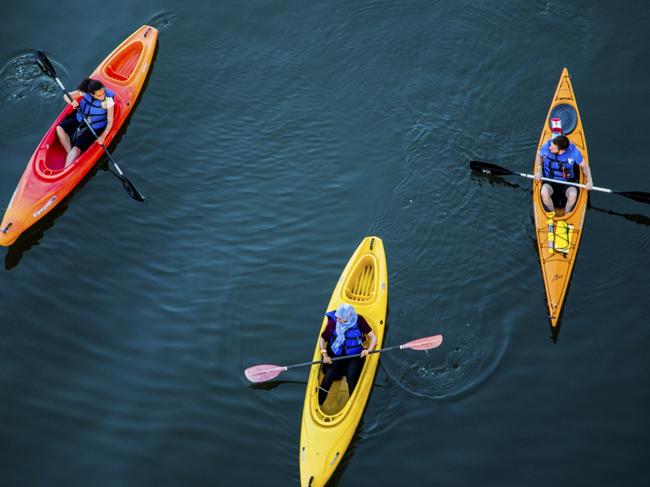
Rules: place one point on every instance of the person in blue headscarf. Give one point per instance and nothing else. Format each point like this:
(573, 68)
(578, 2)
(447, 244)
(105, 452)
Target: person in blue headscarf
(344, 335)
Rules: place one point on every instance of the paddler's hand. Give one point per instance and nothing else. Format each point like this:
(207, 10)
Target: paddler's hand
(364, 353)
(326, 357)
(589, 185)
(538, 177)
(70, 101)
(100, 139)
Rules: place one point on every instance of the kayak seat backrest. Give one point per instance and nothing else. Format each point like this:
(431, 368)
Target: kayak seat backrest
(361, 285)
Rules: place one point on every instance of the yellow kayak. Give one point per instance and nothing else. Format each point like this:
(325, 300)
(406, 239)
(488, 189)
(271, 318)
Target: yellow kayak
(558, 238)
(326, 432)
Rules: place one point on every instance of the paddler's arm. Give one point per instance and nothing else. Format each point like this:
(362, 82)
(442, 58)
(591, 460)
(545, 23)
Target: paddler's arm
(323, 350)
(538, 166)
(109, 123)
(587, 172)
(72, 95)
(373, 343)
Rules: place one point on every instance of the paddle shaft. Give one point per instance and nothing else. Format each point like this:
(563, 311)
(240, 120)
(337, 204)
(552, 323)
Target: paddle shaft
(567, 183)
(90, 127)
(266, 372)
(493, 169)
(343, 357)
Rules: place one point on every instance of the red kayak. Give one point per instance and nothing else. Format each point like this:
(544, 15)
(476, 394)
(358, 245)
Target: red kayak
(45, 182)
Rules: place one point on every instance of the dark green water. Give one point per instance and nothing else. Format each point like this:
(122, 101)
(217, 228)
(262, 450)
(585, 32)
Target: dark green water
(273, 136)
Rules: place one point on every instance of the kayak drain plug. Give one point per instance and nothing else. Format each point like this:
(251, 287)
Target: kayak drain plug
(6, 229)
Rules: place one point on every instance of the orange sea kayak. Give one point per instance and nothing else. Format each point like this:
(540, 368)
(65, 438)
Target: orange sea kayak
(558, 237)
(45, 183)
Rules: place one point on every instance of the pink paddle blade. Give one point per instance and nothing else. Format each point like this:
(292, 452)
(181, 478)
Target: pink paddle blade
(262, 373)
(425, 343)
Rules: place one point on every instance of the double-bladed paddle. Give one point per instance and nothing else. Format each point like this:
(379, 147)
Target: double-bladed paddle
(46, 66)
(493, 169)
(266, 372)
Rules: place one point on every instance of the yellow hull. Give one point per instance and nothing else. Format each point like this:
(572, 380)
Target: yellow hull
(557, 266)
(326, 432)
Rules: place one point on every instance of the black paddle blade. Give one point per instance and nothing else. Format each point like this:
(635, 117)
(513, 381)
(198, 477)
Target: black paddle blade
(130, 189)
(487, 168)
(635, 195)
(44, 63)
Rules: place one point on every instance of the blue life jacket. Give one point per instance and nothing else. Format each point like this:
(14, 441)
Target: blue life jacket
(92, 109)
(353, 343)
(560, 166)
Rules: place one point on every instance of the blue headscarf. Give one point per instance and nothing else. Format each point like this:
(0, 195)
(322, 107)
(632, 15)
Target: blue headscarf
(350, 317)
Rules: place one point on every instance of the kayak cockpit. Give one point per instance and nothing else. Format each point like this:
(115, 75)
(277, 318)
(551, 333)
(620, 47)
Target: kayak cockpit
(360, 289)
(121, 67)
(339, 393)
(49, 158)
(562, 119)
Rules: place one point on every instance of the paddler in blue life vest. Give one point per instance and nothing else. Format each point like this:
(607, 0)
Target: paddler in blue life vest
(97, 104)
(344, 335)
(560, 159)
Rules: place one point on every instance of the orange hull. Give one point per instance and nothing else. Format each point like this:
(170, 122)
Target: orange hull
(557, 266)
(45, 183)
